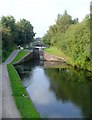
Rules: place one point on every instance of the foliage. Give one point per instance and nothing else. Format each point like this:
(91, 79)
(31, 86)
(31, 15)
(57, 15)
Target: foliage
(14, 34)
(72, 38)
(7, 44)
(24, 32)
(63, 22)
(91, 29)
(0, 43)
(53, 34)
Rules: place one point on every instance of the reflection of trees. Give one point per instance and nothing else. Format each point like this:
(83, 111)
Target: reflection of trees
(71, 85)
(25, 68)
(22, 71)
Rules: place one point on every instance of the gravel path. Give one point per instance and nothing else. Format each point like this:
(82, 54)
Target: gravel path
(11, 57)
(9, 109)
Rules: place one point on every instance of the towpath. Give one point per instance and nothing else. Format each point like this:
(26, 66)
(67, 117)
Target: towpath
(9, 109)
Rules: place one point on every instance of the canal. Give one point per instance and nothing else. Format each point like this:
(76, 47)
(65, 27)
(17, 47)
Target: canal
(57, 92)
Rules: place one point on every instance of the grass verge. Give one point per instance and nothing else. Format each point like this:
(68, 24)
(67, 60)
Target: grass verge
(22, 99)
(57, 52)
(20, 55)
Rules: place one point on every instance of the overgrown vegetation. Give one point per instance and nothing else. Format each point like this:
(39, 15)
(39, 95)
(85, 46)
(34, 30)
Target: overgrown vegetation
(23, 102)
(15, 34)
(71, 38)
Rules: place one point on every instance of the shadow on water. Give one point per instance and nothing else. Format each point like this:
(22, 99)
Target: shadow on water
(57, 92)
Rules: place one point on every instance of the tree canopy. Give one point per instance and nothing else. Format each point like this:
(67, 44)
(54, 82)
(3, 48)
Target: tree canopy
(15, 33)
(72, 38)
(25, 32)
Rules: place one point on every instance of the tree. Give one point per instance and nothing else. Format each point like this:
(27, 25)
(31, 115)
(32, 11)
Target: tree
(73, 38)
(76, 20)
(13, 34)
(63, 21)
(46, 39)
(9, 23)
(91, 29)
(54, 34)
(7, 43)
(25, 32)
(0, 41)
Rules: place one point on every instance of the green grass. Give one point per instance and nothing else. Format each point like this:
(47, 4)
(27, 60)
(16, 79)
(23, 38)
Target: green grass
(20, 55)
(22, 99)
(57, 52)
(7, 53)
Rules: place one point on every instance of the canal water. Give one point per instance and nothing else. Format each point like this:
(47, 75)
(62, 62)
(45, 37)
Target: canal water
(57, 92)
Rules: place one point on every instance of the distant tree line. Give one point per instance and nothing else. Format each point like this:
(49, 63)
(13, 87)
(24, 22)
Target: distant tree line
(72, 38)
(15, 33)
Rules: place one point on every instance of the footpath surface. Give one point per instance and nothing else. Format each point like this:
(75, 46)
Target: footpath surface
(9, 109)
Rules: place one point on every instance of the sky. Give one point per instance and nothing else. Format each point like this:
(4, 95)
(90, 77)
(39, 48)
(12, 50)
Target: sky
(43, 13)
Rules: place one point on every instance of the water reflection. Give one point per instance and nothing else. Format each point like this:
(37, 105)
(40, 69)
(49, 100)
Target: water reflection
(56, 92)
(70, 85)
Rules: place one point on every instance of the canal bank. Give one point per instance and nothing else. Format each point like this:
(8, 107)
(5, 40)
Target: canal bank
(58, 89)
(77, 65)
(60, 93)
(22, 100)
(23, 96)
(9, 109)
